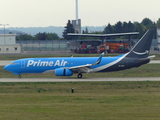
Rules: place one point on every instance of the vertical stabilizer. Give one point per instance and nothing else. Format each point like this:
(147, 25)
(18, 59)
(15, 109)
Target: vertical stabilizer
(142, 47)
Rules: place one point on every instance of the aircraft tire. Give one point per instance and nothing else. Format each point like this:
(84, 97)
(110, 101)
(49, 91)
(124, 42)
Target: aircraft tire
(79, 75)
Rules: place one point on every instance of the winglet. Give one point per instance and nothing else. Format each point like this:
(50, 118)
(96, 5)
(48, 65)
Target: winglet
(99, 59)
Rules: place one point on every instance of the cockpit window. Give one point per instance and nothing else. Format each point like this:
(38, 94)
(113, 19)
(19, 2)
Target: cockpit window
(13, 63)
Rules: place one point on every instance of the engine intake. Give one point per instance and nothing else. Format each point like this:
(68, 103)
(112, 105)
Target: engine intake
(63, 72)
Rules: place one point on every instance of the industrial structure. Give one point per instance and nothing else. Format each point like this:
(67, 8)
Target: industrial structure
(77, 23)
(8, 44)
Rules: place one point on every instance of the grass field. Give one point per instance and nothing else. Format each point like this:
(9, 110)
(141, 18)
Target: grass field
(90, 101)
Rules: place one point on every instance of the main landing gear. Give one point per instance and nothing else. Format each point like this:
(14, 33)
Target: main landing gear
(79, 75)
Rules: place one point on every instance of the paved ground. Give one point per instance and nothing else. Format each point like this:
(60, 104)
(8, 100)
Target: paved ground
(78, 80)
(5, 62)
(155, 61)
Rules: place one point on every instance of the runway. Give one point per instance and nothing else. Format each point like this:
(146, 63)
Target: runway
(3, 63)
(78, 80)
(6, 62)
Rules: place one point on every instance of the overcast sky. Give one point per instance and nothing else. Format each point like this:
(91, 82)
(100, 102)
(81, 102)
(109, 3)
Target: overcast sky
(43, 13)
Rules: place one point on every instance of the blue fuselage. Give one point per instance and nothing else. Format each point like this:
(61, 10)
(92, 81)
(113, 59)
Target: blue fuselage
(44, 65)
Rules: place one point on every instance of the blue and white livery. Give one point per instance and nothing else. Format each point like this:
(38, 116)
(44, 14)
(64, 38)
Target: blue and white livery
(68, 66)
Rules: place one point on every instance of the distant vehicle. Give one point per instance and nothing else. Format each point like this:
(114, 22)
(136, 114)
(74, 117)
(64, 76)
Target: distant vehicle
(69, 65)
(84, 48)
(109, 46)
(114, 47)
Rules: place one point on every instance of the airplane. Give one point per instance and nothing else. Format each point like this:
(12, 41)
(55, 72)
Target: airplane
(67, 66)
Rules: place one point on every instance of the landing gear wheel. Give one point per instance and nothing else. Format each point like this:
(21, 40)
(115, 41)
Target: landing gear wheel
(79, 75)
(19, 76)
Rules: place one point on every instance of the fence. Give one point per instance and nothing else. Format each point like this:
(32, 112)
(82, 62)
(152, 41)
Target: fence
(55, 45)
(47, 45)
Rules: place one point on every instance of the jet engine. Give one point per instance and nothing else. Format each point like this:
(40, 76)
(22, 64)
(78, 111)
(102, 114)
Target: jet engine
(63, 72)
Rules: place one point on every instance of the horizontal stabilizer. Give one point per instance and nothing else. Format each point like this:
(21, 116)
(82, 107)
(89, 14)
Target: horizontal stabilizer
(151, 57)
(148, 58)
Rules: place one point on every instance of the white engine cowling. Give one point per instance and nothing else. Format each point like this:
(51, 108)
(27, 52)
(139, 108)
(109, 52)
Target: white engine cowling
(63, 72)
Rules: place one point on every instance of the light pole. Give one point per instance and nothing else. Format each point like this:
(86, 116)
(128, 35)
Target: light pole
(4, 31)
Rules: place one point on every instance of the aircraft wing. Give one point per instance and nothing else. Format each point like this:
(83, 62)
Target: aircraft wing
(103, 35)
(86, 68)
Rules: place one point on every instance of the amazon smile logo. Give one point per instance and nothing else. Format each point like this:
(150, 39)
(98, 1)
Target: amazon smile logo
(143, 53)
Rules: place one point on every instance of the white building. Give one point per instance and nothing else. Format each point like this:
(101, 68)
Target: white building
(8, 44)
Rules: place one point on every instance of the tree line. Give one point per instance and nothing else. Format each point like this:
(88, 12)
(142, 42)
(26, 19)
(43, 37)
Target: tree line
(38, 36)
(119, 27)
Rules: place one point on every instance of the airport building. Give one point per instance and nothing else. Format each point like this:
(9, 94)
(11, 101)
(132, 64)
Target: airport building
(8, 44)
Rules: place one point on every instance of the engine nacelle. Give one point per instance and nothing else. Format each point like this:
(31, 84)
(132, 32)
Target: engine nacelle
(63, 72)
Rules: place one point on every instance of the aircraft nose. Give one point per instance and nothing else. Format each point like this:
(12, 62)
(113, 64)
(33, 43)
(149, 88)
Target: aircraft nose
(9, 68)
(6, 67)
(12, 68)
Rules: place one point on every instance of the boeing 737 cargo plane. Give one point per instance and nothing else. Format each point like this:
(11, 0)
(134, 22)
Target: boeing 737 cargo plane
(67, 66)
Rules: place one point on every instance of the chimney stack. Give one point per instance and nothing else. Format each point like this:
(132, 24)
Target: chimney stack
(76, 12)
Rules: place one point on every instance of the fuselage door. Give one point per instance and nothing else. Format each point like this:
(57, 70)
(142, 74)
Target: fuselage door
(23, 64)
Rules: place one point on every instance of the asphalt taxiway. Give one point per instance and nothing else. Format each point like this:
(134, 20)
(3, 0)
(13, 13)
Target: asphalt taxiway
(78, 80)
(3, 63)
